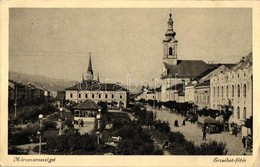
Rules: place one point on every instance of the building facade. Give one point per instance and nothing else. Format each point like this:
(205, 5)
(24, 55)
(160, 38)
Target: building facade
(92, 89)
(234, 89)
(200, 88)
(202, 95)
(175, 71)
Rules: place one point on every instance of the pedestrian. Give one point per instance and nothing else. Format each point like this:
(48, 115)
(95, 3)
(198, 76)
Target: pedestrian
(81, 123)
(244, 141)
(183, 123)
(235, 131)
(176, 123)
(204, 133)
(249, 143)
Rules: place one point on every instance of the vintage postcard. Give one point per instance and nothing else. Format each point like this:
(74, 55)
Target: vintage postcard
(129, 83)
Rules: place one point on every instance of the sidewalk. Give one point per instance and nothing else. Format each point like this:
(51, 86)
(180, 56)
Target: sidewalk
(194, 133)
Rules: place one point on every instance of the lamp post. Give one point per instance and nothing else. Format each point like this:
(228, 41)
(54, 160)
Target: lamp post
(60, 120)
(39, 133)
(98, 126)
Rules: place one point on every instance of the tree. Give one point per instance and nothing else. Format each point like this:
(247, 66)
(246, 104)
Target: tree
(103, 106)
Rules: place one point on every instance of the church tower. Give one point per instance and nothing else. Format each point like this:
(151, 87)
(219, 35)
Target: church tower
(170, 44)
(90, 75)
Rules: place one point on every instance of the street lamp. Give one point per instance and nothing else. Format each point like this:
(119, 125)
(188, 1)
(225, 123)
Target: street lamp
(98, 126)
(60, 120)
(39, 133)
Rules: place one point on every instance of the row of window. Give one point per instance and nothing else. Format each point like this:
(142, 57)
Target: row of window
(238, 113)
(227, 91)
(230, 76)
(202, 99)
(93, 96)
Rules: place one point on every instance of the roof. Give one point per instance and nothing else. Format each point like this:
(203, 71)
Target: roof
(206, 75)
(245, 62)
(188, 68)
(97, 87)
(190, 84)
(87, 105)
(205, 83)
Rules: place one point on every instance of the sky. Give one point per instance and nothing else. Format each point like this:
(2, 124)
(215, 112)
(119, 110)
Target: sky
(126, 44)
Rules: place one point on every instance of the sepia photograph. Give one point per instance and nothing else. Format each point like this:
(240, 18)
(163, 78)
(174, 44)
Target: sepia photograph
(162, 81)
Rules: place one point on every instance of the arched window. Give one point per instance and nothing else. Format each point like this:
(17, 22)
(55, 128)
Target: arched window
(233, 89)
(170, 51)
(238, 90)
(238, 113)
(244, 90)
(218, 92)
(214, 91)
(227, 91)
(244, 113)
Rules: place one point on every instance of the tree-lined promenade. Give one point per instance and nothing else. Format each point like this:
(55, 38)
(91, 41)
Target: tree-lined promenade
(138, 130)
(193, 133)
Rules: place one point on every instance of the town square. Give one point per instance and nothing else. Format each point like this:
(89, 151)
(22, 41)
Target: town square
(162, 81)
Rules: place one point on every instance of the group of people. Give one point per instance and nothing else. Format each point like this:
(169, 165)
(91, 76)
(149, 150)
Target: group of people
(79, 122)
(176, 123)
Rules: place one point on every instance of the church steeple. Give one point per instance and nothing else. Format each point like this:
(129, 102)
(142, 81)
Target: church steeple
(170, 32)
(90, 75)
(170, 44)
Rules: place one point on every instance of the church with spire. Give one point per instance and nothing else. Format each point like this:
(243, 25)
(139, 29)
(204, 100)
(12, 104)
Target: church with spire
(89, 88)
(176, 72)
(89, 76)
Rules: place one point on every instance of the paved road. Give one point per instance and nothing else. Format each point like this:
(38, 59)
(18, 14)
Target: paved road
(194, 133)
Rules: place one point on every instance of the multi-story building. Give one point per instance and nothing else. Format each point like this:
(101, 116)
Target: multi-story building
(201, 87)
(175, 71)
(234, 90)
(92, 89)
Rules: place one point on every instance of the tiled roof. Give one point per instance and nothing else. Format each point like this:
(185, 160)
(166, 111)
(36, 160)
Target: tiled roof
(97, 87)
(87, 105)
(188, 68)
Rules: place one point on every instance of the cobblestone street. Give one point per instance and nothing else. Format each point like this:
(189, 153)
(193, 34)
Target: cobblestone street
(194, 133)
